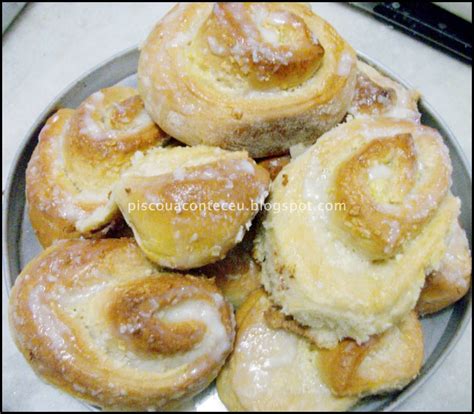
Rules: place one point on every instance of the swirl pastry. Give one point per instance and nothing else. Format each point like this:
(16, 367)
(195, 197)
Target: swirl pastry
(374, 208)
(377, 95)
(96, 319)
(385, 363)
(189, 206)
(254, 76)
(80, 154)
(273, 370)
(452, 277)
(238, 274)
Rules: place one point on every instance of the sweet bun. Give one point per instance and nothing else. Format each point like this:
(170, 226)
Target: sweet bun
(255, 76)
(451, 279)
(273, 370)
(377, 95)
(374, 210)
(385, 363)
(188, 206)
(96, 319)
(80, 154)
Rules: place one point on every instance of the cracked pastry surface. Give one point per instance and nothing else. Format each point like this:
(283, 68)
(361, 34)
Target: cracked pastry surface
(255, 76)
(96, 319)
(80, 154)
(357, 271)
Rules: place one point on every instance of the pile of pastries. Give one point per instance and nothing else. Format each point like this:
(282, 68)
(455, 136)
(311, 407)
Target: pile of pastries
(344, 230)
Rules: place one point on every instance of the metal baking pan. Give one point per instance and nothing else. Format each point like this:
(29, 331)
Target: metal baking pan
(441, 331)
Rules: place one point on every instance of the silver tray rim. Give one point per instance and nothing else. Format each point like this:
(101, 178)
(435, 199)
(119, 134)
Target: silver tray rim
(15, 168)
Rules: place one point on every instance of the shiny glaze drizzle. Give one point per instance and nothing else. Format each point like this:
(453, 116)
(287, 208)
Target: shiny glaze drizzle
(263, 42)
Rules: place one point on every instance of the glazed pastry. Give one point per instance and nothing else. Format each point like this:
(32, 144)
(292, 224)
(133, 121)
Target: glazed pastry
(273, 370)
(96, 319)
(238, 274)
(275, 164)
(377, 95)
(188, 206)
(254, 76)
(80, 154)
(374, 210)
(384, 363)
(451, 279)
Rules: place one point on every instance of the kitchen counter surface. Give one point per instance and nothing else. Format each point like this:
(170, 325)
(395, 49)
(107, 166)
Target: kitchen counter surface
(50, 45)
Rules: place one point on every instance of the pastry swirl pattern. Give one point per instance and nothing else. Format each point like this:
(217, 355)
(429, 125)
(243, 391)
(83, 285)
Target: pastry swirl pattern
(254, 76)
(356, 270)
(390, 188)
(272, 368)
(80, 154)
(98, 320)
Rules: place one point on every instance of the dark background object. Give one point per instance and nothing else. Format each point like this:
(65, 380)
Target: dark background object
(428, 23)
(10, 10)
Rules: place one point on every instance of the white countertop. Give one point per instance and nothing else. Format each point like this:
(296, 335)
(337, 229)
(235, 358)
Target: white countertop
(50, 45)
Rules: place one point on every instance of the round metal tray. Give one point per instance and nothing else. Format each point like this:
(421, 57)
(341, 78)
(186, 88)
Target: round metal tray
(441, 331)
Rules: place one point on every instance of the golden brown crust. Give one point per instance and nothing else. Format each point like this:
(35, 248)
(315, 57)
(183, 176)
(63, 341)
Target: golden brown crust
(451, 281)
(377, 95)
(254, 76)
(105, 131)
(96, 319)
(438, 293)
(235, 34)
(189, 206)
(382, 213)
(80, 154)
(385, 363)
(350, 369)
